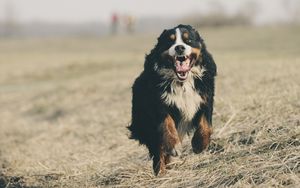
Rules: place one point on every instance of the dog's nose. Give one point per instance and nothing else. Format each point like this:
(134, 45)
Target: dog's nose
(179, 49)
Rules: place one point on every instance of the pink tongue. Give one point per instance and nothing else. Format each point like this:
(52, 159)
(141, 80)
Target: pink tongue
(183, 67)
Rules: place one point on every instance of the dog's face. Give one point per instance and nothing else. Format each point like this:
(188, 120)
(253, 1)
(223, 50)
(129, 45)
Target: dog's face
(179, 51)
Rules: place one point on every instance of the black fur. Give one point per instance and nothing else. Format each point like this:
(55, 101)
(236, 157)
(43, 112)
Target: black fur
(149, 110)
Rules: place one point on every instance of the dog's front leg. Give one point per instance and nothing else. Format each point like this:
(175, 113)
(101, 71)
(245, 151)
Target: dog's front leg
(170, 137)
(168, 145)
(201, 138)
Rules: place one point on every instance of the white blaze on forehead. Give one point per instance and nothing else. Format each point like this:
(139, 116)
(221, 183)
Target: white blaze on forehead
(179, 41)
(178, 37)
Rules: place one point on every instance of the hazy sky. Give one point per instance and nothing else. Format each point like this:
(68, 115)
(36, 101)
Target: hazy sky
(95, 10)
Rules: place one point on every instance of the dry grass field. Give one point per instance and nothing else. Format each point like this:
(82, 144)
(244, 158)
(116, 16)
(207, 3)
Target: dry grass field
(65, 104)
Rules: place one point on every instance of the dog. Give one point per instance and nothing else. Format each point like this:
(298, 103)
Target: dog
(174, 95)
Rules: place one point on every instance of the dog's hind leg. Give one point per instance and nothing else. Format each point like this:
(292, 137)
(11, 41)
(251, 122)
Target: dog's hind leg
(201, 138)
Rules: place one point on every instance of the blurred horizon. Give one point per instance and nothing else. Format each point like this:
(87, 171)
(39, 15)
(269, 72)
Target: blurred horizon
(64, 17)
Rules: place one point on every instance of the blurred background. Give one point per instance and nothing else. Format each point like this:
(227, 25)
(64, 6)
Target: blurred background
(101, 18)
(66, 71)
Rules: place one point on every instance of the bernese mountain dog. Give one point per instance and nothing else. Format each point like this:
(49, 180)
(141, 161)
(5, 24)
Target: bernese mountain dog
(174, 96)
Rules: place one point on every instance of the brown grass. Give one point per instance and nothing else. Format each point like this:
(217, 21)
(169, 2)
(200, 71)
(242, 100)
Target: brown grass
(65, 103)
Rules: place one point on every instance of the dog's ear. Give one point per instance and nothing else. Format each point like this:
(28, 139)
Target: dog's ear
(153, 56)
(199, 38)
(162, 35)
(208, 61)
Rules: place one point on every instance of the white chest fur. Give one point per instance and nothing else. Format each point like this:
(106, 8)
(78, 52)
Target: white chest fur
(184, 97)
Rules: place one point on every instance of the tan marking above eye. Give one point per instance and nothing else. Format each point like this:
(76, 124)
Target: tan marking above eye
(185, 35)
(172, 37)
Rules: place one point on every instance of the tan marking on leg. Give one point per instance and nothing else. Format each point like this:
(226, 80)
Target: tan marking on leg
(201, 138)
(167, 161)
(170, 136)
(169, 141)
(206, 131)
(159, 166)
(162, 168)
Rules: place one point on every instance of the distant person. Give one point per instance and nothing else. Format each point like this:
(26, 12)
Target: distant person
(114, 23)
(129, 21)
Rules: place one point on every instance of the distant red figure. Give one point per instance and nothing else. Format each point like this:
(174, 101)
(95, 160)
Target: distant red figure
(114, 23)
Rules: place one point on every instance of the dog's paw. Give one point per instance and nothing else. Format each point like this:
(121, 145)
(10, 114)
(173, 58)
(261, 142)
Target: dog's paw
(175, 151)
(198, 147)
(159, 167)
(198, 150)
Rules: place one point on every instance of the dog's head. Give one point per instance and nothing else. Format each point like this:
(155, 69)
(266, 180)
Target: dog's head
(177, 53)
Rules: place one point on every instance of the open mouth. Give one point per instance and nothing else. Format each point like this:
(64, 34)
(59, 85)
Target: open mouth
(183, 65)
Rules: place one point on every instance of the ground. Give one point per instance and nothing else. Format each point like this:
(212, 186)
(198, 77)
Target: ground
(65, 104)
